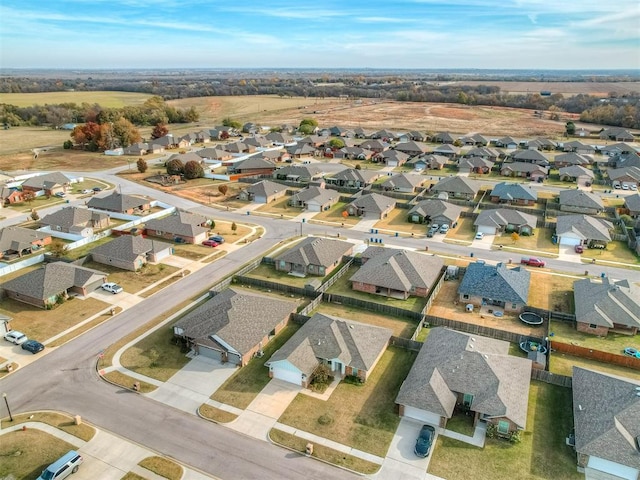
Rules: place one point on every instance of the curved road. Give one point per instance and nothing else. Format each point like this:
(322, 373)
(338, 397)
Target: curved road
(66, 380)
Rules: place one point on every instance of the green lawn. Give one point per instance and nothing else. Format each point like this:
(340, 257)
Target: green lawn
(539, 241)
(361, 416)
(566, 332)
(542, 454)
(343, 287)
(269, 273)
(243, 386)
(461, 423)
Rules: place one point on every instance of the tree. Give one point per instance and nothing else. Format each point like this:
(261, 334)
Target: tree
(308, 126)
(67, 145)
(627, 220)
(175, 167)
(213, 224)
(234, 227)
(193, 169)
(125, 133)
(142, 165)
(554, 113)
(358, 166)
(160, 130)
(223, 189)
(570, 128)
(515, 237)
(86, 135)
(229, 122)
(28, 197)
(34, 215)
(57, 248)
(336, 143)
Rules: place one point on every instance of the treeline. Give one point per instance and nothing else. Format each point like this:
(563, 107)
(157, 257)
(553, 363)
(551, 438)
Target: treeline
(152, 112)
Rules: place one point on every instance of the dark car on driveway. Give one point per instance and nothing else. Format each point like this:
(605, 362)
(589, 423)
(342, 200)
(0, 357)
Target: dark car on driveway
(424, 441)
(32, 346)
(217, 238)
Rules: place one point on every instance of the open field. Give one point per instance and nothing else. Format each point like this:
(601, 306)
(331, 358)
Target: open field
(104, 99)
(18, 155)
(565, 88)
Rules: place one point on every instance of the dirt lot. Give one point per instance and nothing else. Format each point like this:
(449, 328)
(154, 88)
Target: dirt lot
(446, 305)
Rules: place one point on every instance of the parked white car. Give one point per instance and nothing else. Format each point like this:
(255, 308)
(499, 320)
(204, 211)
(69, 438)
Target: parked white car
(14, 336)
(112, 287)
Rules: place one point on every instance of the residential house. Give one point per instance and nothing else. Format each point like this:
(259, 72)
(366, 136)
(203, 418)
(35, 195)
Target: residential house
(477, 165)
(578, 147)
(487, 153)
(186, 157)
(300, 150)
(448, 150)
(498, 220)
(618, 134)
(576, 173)
(252, 166)
(431, 162)
(541, 144)
(314, 199)
(49, 183)
(346, 347)
(572, 158)
(43, 287)
(258, 141)
(507, 143)
(393, 158)
(19, 241)
(120, 203)
(397, 273)
(605, 305)
(513, 194)
(404, 183)
(632, 203)
(314, 141)
(278, 138)
(579, 201)
(461, 372)
(619, 148)
(622, 160)
(443, 137)
(131, 252)
(457, 187)
(180, 227)
(497, 286)
(412, 148)
(353, 178)
(384, 135)
(475, 139)
(435, 211)
(234, 326)
(9, 196)
(265, 191)
(313, 256)
(530, 156)
(239, 147)
(298, 173)
(625, 176)
(78, 221)
(354, 153)
(214, 153)
(361, 133)
(372, 205)
(532, 171)
(416, 136)
(376, 146)
(583, 230)
(139, 148)
(606, 420)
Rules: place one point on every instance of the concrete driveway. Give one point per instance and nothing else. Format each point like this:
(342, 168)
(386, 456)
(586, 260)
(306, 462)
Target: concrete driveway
(400, 461)
(485, 243)
(176, 261)
(568, 253)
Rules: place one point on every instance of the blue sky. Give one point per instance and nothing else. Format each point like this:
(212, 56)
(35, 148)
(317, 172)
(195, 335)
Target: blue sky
(529, 34)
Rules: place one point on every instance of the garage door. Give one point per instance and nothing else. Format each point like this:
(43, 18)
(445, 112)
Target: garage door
(287, 375)
(422, 415)
(597, 467)
(569, 241)
(210, 353)
(487, 229)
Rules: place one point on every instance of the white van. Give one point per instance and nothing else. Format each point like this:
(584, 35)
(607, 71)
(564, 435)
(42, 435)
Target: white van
(63, 467)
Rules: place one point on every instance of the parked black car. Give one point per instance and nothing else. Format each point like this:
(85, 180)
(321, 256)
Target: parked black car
(424, 441)
(32, 346)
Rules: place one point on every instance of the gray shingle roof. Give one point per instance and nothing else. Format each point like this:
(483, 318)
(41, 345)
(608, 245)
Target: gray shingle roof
(68, 217)
(316, 251)
(180, 223)
(513, 191)
(52, 279)
(240, 319)
(457, 185)
(374, 203)
(474, 162)
(633, 172)
(47, 180)
(606, 414)
(436, 208)
(117, 202)
(498, 282)
(580, 198)
(523, 167)
(19, 238)
(324, 337)
(129, 247)
(453, 362)
(572, 158)
(575, 171)
(352, 174)
(584, 226)
(605, 302)
(398, 269)
(632, 202)
(531, 156)
(266, 188)
(501, 217)
(317, 194)
(404, 180)
(253, 162)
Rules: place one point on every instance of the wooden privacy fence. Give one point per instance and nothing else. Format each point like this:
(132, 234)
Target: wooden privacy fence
(406, 343)
(598, 355)
(552, 378)
(372, 306)
(479, 330)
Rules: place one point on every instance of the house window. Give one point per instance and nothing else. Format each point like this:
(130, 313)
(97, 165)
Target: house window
(514, 306)
(354, 372)
(465, 296)
(467, 400)
(503, 427)
(593, 325)
(282, 263)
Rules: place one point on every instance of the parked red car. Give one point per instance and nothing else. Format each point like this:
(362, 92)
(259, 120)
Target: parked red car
(579, 249)
(210, 243)
(532, 262)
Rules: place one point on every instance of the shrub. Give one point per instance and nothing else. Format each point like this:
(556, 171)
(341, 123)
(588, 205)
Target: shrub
(68, 145)
(353, 380)
(175, 167)
(515, 437)
(322, 375)
(325, 419)
(142, 165)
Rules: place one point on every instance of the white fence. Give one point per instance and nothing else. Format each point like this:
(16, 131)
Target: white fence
(14, 267)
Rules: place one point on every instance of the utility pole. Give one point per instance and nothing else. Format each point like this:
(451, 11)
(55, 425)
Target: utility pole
(4, 395)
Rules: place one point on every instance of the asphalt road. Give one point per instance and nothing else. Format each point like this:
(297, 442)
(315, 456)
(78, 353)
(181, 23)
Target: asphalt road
(66, 379)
